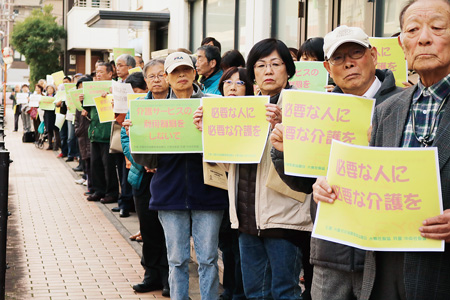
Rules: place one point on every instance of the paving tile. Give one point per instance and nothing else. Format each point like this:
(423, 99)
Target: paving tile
(64, 247)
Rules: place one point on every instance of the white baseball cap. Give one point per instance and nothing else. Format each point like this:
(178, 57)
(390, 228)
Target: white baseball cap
(177, 59)
(341, 35)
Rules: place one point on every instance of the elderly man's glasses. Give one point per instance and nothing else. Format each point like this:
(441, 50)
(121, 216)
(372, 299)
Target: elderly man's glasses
(153, 77)
(354, 53)
(275, 65)
(230, 82)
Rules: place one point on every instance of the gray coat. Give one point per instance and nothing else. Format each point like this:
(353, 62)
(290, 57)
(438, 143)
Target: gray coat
(325, 253)
(426, 274)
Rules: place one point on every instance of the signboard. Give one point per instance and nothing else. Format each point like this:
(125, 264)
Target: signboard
(235, 129)
(383, 196)
(310, 76)
(164, 126)
(312, 120)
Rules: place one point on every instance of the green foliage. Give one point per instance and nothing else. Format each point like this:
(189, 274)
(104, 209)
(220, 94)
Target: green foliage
(37, 38)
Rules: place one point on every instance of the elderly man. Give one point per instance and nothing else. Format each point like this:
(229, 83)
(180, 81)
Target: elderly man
(403, 121)
(104, 176)
(124, 63)
(208, 65)
(351, 62)
(425, 39)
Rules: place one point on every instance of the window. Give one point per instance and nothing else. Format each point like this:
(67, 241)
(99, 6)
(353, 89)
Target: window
(317, 18)
(221, 19)
(285, 21)
(220, 22)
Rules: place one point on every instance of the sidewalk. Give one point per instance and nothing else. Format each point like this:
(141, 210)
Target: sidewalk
(61, 246)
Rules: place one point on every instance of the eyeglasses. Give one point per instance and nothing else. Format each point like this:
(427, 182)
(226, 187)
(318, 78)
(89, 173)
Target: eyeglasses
(276, 65)
(230, 82)
(355, 53)
(153, 77)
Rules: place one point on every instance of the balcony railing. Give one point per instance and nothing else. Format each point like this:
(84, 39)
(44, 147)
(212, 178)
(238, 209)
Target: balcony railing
(93, 3)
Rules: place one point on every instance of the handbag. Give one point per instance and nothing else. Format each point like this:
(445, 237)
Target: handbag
(41, 128)
(115, 143)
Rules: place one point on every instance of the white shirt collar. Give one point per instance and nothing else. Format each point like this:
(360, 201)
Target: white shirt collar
(370, 93)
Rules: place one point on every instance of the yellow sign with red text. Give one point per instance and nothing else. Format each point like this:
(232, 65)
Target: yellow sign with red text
(383, 196)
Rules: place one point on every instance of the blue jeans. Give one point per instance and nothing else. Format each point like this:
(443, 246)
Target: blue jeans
(270, 268)
(72, 141)
(205, 231)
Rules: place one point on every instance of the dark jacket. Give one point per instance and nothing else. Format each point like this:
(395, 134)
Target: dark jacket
(81, 126)
(325, 253)
(178, 182)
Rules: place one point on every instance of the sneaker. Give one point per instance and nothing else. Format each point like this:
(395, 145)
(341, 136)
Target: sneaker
(85, 183)
(60, 155)
(80, 181)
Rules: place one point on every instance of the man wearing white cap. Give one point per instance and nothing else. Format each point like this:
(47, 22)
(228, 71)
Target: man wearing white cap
(184, 203)
(351, 62)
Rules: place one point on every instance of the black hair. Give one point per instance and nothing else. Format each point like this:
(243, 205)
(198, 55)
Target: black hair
(264, 48)
(212, 52)
(83, 79)
(242, 76)
(232, 58)
(68, 78)
(107, 66)
(312, 47)
(136, 80)
(215, 42)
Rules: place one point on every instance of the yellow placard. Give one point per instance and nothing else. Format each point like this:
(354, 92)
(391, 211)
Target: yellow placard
(234, 129)
(104, 108)
(58, 77)
(134, 97)
(134, 70)
(390, 56)
(383, 196)
(312, 120)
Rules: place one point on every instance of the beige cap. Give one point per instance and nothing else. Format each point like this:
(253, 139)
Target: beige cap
(341, 35)
(177, 59)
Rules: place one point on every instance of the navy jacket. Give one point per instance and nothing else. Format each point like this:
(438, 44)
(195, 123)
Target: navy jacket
(178, 182)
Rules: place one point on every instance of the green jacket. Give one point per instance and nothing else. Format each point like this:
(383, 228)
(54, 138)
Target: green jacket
(98, 132)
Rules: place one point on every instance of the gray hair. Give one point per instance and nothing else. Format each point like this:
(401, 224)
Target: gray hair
(128, 59)
(151, 63)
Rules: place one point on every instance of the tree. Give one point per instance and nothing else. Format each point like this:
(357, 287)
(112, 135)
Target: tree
(37, 38)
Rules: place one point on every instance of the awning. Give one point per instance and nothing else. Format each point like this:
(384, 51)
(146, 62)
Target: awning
(128, 19)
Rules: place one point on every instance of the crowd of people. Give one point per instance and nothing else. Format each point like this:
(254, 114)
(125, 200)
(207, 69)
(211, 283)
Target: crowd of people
(263, 228)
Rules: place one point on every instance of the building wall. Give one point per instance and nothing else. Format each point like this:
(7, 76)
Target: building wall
(79, 36)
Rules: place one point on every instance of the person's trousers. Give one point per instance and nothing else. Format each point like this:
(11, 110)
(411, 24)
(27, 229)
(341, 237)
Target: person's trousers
(103, 169)
(232, 275)
(16, 121)
(332, 284)
(26, 120)
(125, 200)
(86, 165)
(270, 267)
(72, 141)
(205, 232)
(36, 123)
(63, 135)
(154, 253)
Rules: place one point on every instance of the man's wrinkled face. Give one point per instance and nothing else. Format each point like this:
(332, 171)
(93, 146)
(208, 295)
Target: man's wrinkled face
(425, 37)
(122, 69)
(354, 75)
